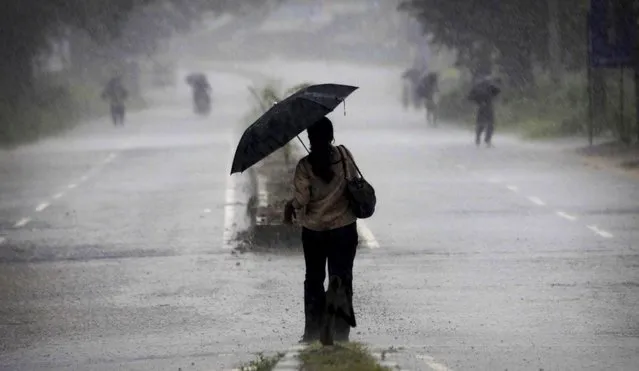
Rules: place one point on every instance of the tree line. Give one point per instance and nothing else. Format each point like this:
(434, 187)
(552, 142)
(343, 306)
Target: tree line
(514, 36)
(109, 29)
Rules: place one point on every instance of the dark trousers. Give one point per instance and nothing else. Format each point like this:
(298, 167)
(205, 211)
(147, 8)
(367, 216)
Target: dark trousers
(117, 114)
(484, 125)
(337, 247)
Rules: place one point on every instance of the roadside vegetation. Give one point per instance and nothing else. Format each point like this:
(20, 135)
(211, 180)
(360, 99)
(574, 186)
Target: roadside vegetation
(340, 357)
(57, 55)
(262, 363)
(58, 104)
(546, 110)
(540, 50)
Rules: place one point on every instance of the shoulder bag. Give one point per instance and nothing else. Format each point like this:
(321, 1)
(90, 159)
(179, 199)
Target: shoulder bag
(360, 194)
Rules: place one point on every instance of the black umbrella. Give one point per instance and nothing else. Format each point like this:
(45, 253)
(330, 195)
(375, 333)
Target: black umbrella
(286, 120)
(195, 78)
(484, 90)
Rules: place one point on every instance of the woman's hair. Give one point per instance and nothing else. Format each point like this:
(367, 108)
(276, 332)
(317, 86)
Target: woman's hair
(320, 134)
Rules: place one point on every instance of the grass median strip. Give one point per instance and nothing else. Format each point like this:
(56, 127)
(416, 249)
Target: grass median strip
(340, 357)
(262, 363)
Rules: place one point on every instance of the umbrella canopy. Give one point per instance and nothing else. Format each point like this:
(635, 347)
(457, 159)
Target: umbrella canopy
(196, 78)
(286, 120)
(484, 90)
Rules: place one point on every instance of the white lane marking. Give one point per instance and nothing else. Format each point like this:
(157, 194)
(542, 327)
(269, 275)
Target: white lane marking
(512, 188)
(367, 235)
(58, 195)
(600, 232)
(2, 240)
(22, 222)
(430, 362)
(84, 178)
(206, 211)
(536, 200)
(564, 215)
(42, 206)
(262, 191)
(72, 185)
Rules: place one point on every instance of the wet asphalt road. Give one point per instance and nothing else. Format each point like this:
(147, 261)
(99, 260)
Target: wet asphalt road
(518, 257)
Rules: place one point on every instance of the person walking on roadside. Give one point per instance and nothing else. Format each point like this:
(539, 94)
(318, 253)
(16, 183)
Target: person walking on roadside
(329, 227)
(116, 94)
(429, 91)
(410, 79)
(483, 94)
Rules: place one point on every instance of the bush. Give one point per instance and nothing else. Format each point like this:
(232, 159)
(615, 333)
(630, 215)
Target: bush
(45, 113)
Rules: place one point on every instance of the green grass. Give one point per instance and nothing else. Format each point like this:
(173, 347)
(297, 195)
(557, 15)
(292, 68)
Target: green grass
(262, 363)
(341, 357)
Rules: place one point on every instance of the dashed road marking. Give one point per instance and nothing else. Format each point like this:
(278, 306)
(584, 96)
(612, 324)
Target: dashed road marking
(2, 240)
(567, 216)
(367, 235)
(22, 222)
(536, 201)
(430, 362)
(600, 232)
(72, 185)
(207, 211)
(512, 188)
(58, 195)
(42, 206)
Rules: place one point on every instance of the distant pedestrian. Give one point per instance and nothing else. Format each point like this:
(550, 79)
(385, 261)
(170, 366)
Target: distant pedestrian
(428, 91)
(483, 94)
(329, 227)
(116, 94)
(410, 80)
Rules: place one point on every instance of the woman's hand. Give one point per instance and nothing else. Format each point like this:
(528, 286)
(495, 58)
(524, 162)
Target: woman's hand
(289, 212)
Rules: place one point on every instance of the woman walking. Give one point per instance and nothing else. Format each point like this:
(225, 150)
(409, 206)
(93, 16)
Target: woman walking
(329, 227)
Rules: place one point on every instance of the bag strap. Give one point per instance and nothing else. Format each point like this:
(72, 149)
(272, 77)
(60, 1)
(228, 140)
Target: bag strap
(343, 151)
(339, 149)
